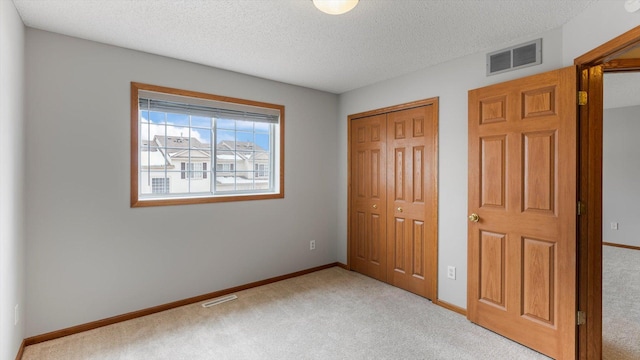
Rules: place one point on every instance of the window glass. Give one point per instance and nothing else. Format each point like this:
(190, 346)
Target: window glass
(202, 148)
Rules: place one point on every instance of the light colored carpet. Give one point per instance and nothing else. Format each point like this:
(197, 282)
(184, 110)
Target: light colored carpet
(330, 314)
(620, 304)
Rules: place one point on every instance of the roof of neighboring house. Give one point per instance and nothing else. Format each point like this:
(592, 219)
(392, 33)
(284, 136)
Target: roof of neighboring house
(243, 149)
(194, 154)
(153, 152)
(179, 142)
(239, 146)
(194, 143)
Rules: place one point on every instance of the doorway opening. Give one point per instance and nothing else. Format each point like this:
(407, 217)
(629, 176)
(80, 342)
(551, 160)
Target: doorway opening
(613, 56)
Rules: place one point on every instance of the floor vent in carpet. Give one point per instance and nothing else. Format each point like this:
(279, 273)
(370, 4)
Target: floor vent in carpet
(219, 300)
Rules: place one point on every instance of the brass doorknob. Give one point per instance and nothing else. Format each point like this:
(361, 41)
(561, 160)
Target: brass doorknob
(375, 206)
(474, 217)
(400, 209)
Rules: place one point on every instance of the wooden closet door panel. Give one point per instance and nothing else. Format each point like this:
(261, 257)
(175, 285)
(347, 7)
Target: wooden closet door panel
(368, 197)
(411, 203)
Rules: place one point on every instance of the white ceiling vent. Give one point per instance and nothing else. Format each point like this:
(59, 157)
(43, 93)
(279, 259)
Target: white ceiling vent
(515, 57)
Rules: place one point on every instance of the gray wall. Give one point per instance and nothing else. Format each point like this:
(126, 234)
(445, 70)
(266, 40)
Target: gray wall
(90, 255)
(621, 175)
(12, 256)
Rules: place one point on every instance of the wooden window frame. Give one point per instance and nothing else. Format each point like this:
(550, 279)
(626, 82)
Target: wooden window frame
(137, 201)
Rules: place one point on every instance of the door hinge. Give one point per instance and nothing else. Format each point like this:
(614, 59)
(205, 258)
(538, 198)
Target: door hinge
(582, 97)
(581, 318)
(581, 208)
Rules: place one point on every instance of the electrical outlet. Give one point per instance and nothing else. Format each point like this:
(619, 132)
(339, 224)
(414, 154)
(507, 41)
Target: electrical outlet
(451, 272)
(614, 226)
(312, 245)
(16, 313)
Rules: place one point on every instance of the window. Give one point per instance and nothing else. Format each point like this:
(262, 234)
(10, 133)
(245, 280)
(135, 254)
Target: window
(193, 170)
(190, 147)
(261, 170)
(160, 185)
(224, 167)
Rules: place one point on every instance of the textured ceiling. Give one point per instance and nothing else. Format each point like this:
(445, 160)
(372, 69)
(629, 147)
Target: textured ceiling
(292, 42)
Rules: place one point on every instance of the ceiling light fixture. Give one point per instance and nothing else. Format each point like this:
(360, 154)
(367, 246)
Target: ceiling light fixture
(632, 5)
(335, 7)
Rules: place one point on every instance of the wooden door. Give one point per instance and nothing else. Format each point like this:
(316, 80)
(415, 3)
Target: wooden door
(368, 197)
(411, 229)
(522, 186)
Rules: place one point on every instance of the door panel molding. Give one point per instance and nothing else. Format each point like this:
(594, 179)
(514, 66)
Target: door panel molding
(493, 160)
(491, 284)
(539, 182)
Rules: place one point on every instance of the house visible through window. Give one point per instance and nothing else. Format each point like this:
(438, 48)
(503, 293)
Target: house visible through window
(207, 148)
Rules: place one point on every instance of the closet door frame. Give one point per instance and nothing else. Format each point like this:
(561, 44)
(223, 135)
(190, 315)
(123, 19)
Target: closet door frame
(432, 208)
